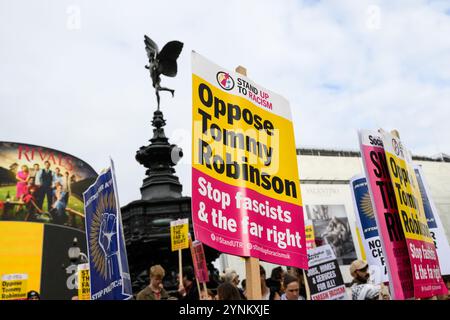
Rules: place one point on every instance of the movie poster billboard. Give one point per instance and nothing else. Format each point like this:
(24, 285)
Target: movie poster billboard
(108, 264)
(386, 215)
(423, 257)
(366, 222)
(324, 277)
(246, 198)
(40, 184)
(434, 223)
(331, 226)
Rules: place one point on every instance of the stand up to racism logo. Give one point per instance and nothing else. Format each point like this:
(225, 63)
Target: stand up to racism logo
(225, 80)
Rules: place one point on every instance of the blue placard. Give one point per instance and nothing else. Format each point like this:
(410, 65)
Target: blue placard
(365, 209)
(109, 273)
(426, 202)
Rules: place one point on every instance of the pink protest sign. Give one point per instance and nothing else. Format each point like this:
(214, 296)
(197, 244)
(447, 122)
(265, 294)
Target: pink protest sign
(199, 260)
(386, 215)
(423, 257)
(276, 236)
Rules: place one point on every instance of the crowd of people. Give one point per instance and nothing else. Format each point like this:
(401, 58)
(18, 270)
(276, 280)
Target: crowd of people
(282, 285)
(36, 185)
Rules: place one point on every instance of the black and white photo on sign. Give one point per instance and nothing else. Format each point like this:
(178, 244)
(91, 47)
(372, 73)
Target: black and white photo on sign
(331, 227)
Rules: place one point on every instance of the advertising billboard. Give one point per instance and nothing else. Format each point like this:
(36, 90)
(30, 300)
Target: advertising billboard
(39, 184)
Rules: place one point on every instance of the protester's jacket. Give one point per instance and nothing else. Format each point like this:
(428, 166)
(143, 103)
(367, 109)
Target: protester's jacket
(148, 294)
(365, 291)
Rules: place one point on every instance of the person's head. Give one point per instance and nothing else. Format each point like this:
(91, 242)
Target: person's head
(33, 295)
(57, 170)
(157, 274)
(262, 275)
(232, 277)
(66, 174)
(292, 287)
(359, 270)
(277, 274)
(188, 276)
(31, 181)
(47, 164)
(208, 295)
(58, 186)
(36, 166)
(32, 189)
(295, 272)
(24, 168)
(228, 291)
(244, 284)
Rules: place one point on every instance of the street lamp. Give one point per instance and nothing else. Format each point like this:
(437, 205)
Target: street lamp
(75, 253)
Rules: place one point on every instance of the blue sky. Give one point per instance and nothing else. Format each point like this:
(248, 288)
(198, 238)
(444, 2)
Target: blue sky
(72, 73)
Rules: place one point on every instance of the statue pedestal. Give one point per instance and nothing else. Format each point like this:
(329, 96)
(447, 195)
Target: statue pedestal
(146, 221)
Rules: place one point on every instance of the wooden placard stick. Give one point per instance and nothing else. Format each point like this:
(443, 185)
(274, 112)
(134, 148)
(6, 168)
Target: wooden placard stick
(305, 279)
(193, 260)
(180, 266)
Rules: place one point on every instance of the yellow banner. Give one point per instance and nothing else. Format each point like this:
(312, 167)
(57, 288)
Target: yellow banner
(235, 141)
(84, 292)
(309, 232)
(14, 287)
(179, 234)
(406, 189)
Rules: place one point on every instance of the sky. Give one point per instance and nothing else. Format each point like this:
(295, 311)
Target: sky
(72, 73)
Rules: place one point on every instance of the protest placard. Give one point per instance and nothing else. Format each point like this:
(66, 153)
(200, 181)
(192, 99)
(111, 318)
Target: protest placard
(14, 286)
(309, 235)
(199, 260)
(434, 223)
(179, 234)
(365, 218)
(423, 257)
(108, 263)
(386, 215)
(84, 291)
(324, 277)
(246, 196)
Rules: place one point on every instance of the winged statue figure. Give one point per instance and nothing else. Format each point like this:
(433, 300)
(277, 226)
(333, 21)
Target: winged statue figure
(162, 62)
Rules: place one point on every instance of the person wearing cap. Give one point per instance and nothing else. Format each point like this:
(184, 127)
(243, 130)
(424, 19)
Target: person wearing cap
(361, 288)
(33, 295)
